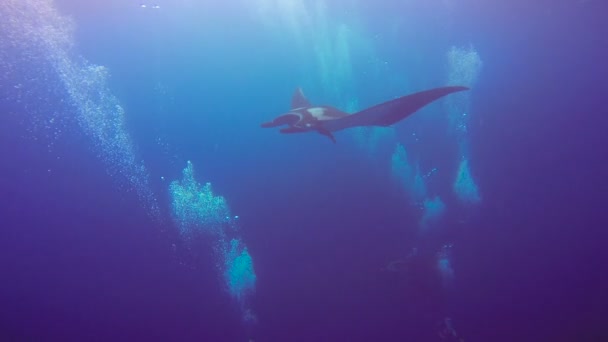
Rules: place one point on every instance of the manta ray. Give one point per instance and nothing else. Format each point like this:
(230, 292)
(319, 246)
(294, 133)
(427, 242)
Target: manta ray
(304, 117)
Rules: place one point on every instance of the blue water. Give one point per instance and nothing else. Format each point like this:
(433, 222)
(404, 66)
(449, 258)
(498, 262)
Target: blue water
(141, 200)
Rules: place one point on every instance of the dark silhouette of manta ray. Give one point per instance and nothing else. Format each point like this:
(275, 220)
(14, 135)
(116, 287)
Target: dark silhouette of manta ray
(303, 117)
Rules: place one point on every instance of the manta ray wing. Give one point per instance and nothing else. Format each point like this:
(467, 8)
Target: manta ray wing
(391, 112)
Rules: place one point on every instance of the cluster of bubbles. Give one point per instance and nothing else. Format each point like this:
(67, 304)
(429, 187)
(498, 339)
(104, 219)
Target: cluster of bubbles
(464, 66)
(152, 6)
(238, 269)
(104, 120)
(199, 213)
(42, 40)
(27, 77)
(464, 186)
(195, 207)
(413, 181)
(444, 264)
(41, 72)
(434, 209)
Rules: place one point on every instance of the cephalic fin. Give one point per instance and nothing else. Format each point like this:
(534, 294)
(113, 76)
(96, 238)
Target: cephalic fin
(298, 100)
(286, 119)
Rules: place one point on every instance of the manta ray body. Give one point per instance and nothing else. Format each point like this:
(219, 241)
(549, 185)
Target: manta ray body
(304, 117)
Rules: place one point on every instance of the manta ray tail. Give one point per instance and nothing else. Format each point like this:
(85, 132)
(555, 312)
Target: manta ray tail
(327, 133)
(323, 131)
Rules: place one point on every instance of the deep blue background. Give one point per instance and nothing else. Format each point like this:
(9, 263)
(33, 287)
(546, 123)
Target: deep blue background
(82, 260)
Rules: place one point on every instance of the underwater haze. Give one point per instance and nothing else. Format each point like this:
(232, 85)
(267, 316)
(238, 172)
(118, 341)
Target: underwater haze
(140, 200)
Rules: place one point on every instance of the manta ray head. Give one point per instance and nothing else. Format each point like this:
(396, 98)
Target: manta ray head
(298, 120)
(303, 116)
(290, 119)
(306, 119)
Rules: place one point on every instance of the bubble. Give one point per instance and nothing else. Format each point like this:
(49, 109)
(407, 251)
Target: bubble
(464, 186)
(464, 66)
(195, 207)
(444, 264)
(59, 87)
(238, 270)
(199, 213)
(433, 210)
